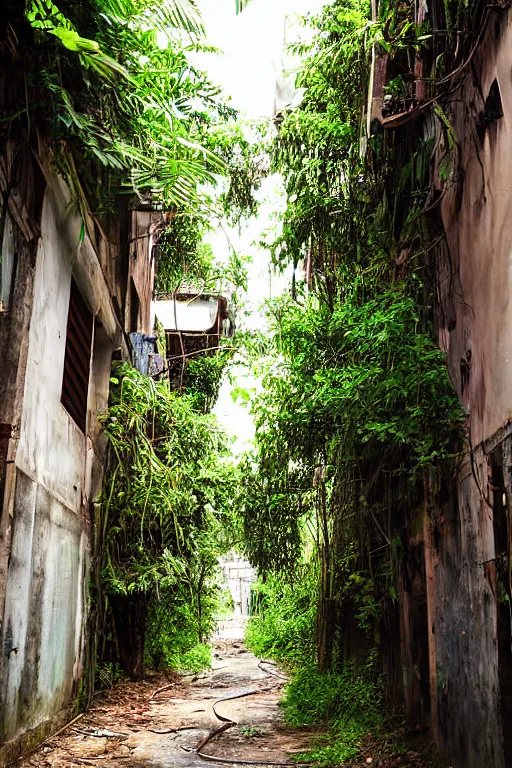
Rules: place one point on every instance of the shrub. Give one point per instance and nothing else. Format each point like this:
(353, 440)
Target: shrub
(284, 627)
(348, 701)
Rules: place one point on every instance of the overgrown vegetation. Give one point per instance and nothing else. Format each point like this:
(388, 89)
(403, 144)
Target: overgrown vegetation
(345, 703)
(282, 625)
(123, 114)
(163, 517)
(358, 427)
(357, 404)
(357, 423)
(106, 96)
(348, 703)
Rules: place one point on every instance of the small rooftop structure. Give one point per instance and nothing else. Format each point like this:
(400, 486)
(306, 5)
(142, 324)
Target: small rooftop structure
(194, 324)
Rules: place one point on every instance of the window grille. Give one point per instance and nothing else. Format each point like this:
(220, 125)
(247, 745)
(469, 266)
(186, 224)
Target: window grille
(77, 360)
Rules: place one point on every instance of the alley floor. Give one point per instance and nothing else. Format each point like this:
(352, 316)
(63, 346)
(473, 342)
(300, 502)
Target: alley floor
(137, 725)
(164, 721)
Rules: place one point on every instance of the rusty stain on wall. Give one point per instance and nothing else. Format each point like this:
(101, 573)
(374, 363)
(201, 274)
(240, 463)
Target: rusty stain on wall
(51, 470)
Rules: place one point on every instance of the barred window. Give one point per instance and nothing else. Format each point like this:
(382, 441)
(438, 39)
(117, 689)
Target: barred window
(77, 360)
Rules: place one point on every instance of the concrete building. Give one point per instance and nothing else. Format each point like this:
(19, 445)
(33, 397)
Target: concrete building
(455, 584)
(194, 323)
(71, 292)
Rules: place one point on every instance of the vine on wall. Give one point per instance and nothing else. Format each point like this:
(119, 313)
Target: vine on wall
(357, 406)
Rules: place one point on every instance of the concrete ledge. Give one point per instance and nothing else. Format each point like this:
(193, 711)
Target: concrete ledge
(30, 740)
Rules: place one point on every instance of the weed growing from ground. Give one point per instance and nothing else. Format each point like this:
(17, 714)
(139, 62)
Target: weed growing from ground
(348, 702)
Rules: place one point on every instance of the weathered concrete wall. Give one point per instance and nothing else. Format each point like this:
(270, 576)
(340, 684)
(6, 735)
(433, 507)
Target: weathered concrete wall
(20, 177)
(477, 213)
(58, 471)
(475, 286)
(143, 225)
(462, 627)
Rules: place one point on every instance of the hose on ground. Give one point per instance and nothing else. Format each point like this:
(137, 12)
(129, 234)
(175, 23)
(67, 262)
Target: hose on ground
(272, 672)
(228, 723)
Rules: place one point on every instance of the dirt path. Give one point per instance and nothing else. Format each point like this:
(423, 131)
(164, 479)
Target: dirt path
(133, 727)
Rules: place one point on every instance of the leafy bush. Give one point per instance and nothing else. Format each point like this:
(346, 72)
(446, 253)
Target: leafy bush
(314, 697)
(171, 631)
(165, 514)
(196, 659)
(284, 627)
(348, 701)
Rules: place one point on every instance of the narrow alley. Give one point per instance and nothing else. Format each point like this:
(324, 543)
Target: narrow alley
(140, 725)
(255, 383)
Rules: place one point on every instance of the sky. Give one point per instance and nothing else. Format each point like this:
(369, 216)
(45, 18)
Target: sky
(252, 45)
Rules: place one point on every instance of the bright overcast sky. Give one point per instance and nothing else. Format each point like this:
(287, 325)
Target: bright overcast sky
(252, 42)
(253, 46)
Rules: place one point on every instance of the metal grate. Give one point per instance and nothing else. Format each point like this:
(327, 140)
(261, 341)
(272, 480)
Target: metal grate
(77, 360)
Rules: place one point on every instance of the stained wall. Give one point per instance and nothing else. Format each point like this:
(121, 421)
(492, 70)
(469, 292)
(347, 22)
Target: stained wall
(475, 289)
(56, 473)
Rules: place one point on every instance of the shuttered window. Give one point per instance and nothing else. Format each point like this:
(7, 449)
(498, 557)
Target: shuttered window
(6, 261)
(77, 360)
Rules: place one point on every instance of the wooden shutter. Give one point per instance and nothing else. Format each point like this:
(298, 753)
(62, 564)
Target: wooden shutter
(77, 360)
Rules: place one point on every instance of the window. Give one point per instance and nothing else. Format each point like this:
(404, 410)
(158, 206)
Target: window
(492, 111)
(6, 261)
(134, 307)
(77, 360)
(493, 108)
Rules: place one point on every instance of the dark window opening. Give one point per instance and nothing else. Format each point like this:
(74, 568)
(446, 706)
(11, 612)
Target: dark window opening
(77, 359)
(492, 111)
(134, 308)
(465, 370)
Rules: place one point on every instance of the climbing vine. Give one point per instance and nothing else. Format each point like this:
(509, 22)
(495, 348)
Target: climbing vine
(357, 408)
(164, 513)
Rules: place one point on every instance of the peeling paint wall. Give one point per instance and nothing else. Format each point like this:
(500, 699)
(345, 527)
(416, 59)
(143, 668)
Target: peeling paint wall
(475, 286)
(51, 471)
(477, 214)
(57, 472)
(143, 227)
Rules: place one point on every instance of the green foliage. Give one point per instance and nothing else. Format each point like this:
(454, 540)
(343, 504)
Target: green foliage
(357, 407)
(313, 697)
(166, 515)
(249, 731)
(173, 628)
(351, 386)
(361, 372)
(196, 659)
(203, 377)
(184, 259)
(283, 627)
(119, 101)
(181, 254)
(349, 702)
(170, 488)
(242, 146)
(172, 632)
(109, 85)
(108, 673)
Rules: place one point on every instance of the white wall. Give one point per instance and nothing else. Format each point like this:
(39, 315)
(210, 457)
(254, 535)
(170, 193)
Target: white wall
(58, 472)
(239, 575)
